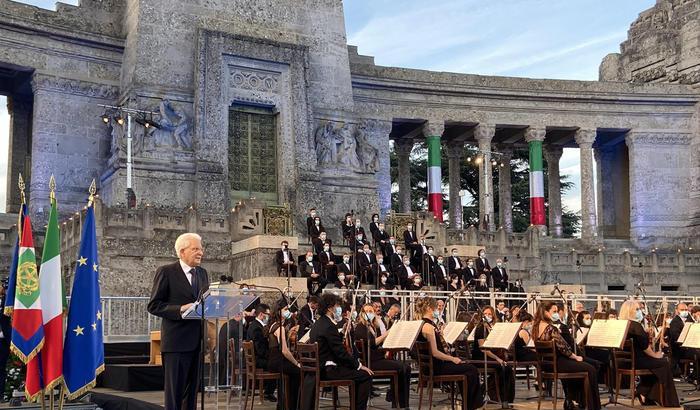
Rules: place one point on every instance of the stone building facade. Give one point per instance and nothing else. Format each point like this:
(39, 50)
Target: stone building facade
(270, 102)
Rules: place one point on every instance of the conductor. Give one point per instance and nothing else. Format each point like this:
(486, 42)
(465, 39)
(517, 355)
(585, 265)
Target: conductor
(175, 288)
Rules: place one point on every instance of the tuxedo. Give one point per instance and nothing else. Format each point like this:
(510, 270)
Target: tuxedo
(380, 236)
(306, 318)
(482, 265)
(180, 338)
(309, 224)
(307, 269)
(364, 262)
(674, 331)
(500, 278)
(330, 271)
(395, 261)
(441, 274)
(388, 249)
(315, 231)
(469, 274)
(356, 245)
(406, 274)
(256, 334)
(428, 263)
(456, 266)
(378, 270)
(281, 267)
(409, 237)
(373, 229)
(348, 230)
(317, 244)
(335, 364)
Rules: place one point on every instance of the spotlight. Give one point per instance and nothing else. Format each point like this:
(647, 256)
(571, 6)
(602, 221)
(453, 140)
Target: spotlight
(494, 162)
(119, 119)
(501, 165)
(478, 160)
(105, 118)
(469, 159)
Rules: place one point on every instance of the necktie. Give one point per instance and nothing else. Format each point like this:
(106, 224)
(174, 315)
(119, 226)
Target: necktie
(195, 282)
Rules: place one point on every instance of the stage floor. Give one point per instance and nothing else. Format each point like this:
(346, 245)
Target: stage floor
(525, 400)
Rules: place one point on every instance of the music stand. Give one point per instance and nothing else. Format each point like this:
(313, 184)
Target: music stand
(219, 304)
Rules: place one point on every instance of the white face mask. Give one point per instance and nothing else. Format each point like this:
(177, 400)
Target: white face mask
(409, 228)
(341, 278)
(326, 248)
(380, 261)
(346, 260)
(383, 279)
(309, 258)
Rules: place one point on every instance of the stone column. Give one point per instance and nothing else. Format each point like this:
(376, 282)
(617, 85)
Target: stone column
(484, 133)
(552, 154)
(534, 137)
(505, 199)
(455, 150)
(584, 139)
(403, 148)
(19, 149)
(600, 219)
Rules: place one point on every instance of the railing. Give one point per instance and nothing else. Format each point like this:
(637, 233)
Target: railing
(126, 319)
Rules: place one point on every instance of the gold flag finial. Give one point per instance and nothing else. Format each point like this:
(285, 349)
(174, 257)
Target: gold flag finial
(21, 186)
(92, 190)
(52, 187)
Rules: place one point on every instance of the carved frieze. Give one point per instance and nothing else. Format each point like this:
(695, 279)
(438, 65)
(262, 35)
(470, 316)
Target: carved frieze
(74, 87)
(346, 145)
(658, 138)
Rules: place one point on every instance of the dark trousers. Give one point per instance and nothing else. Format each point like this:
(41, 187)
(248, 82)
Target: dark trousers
(404, 371)
(363, 385)
(181, 371)
(4, 355)
(574, 388)
(292, 388)
(474, 395)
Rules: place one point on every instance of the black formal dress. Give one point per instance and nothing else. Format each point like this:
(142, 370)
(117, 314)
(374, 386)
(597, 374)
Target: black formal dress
(180, 338)
(474, 395)
(378, 361)
(522, 352)
(505, 374)
(335, 363)
(649, 385)
(280, 364)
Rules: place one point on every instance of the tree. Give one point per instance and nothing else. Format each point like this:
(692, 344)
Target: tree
(520, 187)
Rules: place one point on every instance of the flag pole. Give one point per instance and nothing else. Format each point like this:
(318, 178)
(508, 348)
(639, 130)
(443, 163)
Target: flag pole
(62, 396)
(43, 400)
(51, 399)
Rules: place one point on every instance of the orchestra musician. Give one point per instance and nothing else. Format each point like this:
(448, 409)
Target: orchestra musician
(335, 362)
(674, 331)
(443, 362)
(307, 314)
(367, 330)
(647, 358)
(281, 359)
(545, 330)
(495, 359)
(523, 353)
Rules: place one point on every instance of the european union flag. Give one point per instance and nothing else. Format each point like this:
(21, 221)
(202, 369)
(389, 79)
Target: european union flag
(83, 352)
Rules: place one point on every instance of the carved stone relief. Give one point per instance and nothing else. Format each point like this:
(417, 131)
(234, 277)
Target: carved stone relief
(346, 145)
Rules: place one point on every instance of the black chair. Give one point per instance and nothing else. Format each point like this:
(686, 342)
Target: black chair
(427, 377)
(547, 370)
(393, 375)
(308, 358)
(626, 365)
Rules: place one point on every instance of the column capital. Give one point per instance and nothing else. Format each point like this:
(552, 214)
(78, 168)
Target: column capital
(403, 146)
(433, 128)
(455, 149)
(484, 132)
(552, 153)
(585, 137)
(535, 134)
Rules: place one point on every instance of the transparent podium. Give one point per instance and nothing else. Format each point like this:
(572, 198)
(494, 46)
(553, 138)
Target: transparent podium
(220, 311)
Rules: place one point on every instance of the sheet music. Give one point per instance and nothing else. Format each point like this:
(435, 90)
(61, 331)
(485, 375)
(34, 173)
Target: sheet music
(684, 332)
(502, 335)
(581, 334)
(305, 338)
(470, 338)
(608, 333)
(402, 335)
(692, 337)
(453, 331)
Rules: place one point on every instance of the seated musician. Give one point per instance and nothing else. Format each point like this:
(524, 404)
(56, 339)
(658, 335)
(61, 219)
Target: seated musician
(285, 260)
(281, 359)
(495, 358)
(316, 228)
(415, 283)
(502, 311)
(406, 273)
(443, 362)
(334, 360)
(311, 270)
(602, 356)
(345, 268)
(454, 283)
(545, 330)
(327, 259)
(612, 314)
(392, 315)
(256, 334)
(523, 353)
(343, 282)
(320, 241)
(307, 314)
(378, 268)
(514, 313)
(469, 272)
(365, 259)
(454, 264)
(440, 273)
(647, 358)
(674, 331)
(367, 330)
(379, 314)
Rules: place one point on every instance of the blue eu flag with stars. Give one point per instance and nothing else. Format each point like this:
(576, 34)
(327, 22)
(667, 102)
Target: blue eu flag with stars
(83, 352)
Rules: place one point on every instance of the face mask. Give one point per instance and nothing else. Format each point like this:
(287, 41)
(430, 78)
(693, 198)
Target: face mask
(375, 219)
(439, 261)
(488, 319)
(430, 251)
(317, 223)
(406, 263)
(309, 258)
(392, 241)
(286, 314)
(483, 255)
(683, 314)
(380, 261)
(587, 322)
(436, 314)
(381, 228)
(470, 264)
(354, 315)
(338, 313)
(346, 260)
(359, 237)
(383, 280)
(409, 228)
(454, 253)
(313, 214)
(399, 252)
(326, 248)
(528, 328)
(499, 264)
(369, 316)
(417, 282)
(555, 317)
(341, 278)
(482, 280)
(367, 251)
(323, 238)
(638, 316)
(284, 247)
(357, 224)
(265, 320)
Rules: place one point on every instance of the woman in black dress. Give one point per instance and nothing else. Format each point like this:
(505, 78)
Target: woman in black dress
(444, 363)
(584, 321)
(646, 358)
(366, 329)
(523, 353)
(281, 358)
(567, 361)
(495, 359)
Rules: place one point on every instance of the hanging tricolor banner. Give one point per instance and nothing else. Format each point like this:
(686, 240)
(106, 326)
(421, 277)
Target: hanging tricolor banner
(12, 278)
(434, 177)
(536, 184)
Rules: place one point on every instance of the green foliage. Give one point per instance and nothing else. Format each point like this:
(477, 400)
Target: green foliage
(520, 187)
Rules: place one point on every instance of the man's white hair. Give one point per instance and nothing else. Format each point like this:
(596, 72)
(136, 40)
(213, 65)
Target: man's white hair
(183, 241)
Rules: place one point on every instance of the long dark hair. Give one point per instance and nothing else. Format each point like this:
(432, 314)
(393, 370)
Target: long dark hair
(541, 317)
(275, 317)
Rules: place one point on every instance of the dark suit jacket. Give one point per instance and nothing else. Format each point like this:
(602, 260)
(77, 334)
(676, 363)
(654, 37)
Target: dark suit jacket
(306, 268)
(306, 319)
(318, 244)
(409, 237)
(380, 236)
(469, 274)
(453, 265)
(345, 269)
(499, 277)
(170, 291)
(362, 260)
(388, 249)
(675, 328)
(482, 265)
(438, 273)
(330, 344)
(256, 334)
(315, 231)
(377, 272)
(5, 324)
(395, 261)
(279, 259)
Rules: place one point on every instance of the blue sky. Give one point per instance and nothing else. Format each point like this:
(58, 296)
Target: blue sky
(563, 39)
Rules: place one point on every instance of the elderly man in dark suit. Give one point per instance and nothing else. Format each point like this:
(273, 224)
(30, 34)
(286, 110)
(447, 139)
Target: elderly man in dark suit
(6, 328)
(175, 289)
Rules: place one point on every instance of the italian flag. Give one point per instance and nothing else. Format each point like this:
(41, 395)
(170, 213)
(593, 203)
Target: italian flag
(536, 184)
(434, 177)
(50, 359)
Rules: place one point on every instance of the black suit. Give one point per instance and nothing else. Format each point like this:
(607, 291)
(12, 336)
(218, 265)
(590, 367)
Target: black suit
(314, 267)
(441, 275)
(482, 266)
(315, 231)
(331, 349)
(256, 334)
(6, 326)
(469, 274)
(452, 264)
(377, 271)
(281, 267)
(365, 262)
(403, 276)
(180, 338)
(306, 318)
(674, 331)
(500, 278)
(395, 261)
(409, 237)
(388, 249)
(330, 271)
